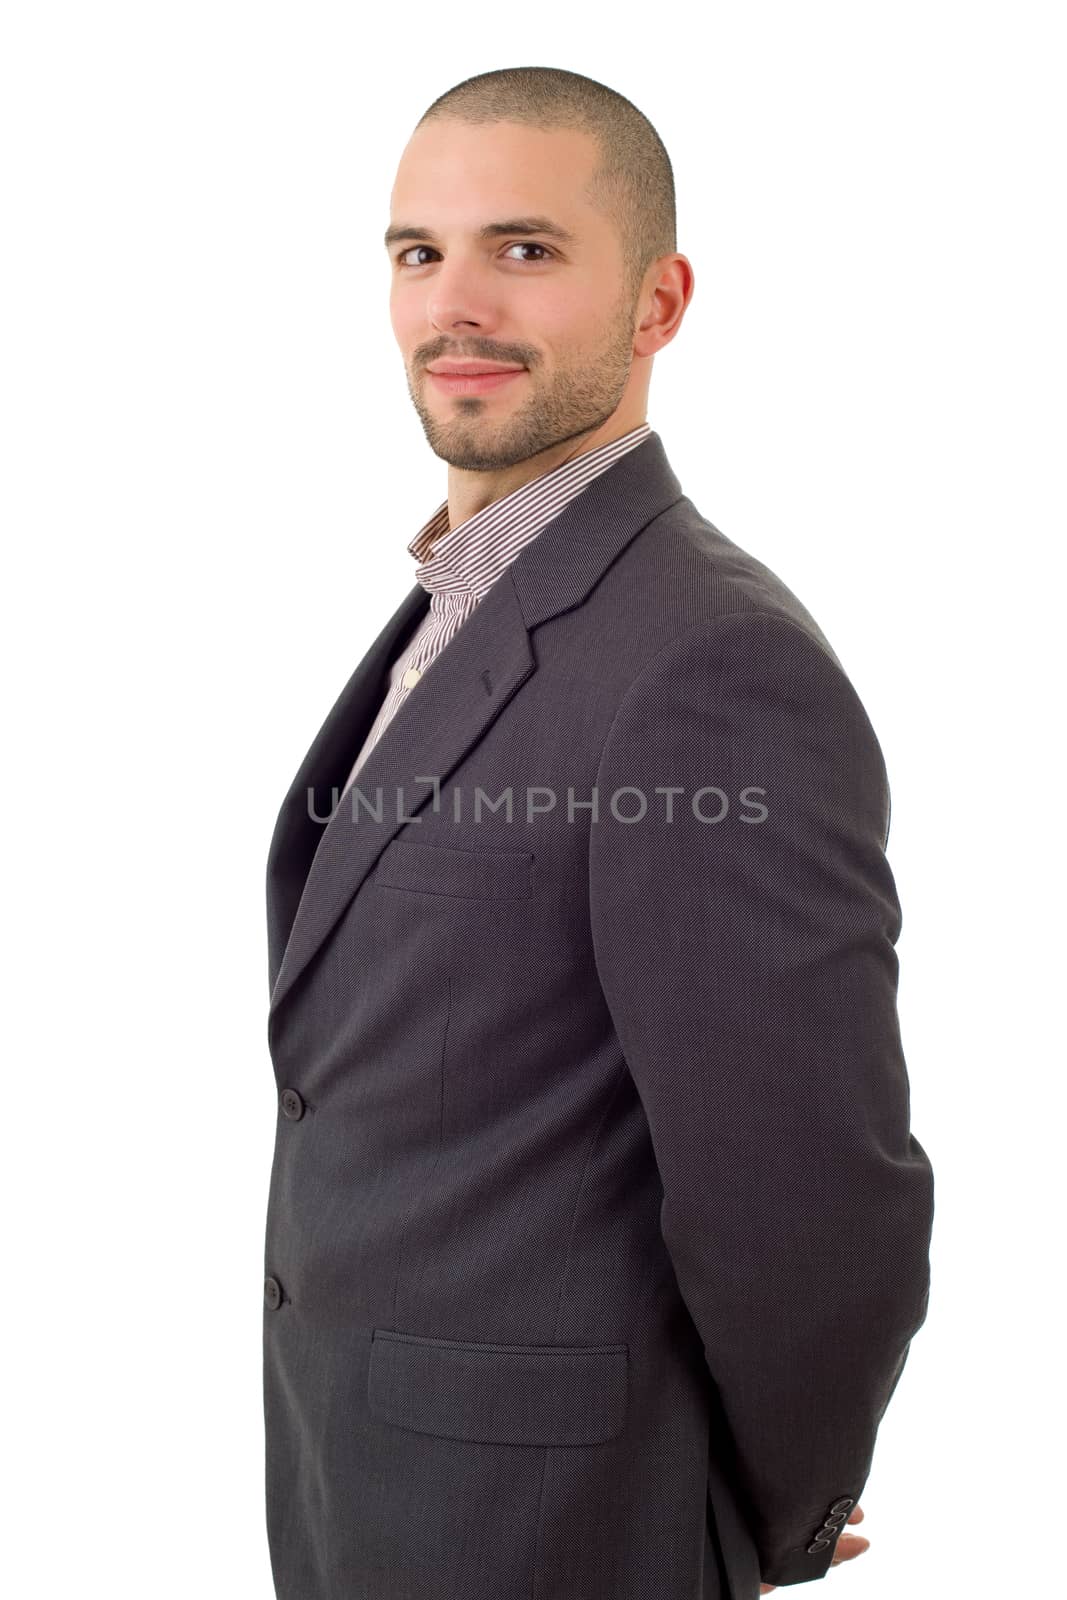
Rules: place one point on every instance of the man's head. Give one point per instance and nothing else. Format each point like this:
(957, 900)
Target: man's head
(581, 301)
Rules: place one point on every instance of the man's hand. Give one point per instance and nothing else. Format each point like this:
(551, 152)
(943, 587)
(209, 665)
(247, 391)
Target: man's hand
(848, 1546)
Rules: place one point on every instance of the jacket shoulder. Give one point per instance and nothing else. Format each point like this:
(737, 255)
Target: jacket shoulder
(681, 572)
(698, 558)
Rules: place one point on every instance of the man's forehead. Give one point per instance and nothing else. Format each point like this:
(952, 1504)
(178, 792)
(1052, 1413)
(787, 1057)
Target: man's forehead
(485, 180)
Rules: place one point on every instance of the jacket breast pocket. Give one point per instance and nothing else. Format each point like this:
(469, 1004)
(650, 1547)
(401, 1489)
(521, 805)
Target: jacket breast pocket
(464, 874)
(498, 1393)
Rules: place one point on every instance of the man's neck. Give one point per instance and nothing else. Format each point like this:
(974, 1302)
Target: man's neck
(471, 492)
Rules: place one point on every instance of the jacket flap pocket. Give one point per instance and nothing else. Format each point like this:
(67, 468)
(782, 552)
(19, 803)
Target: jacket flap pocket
(466, 874)
(499, 1393)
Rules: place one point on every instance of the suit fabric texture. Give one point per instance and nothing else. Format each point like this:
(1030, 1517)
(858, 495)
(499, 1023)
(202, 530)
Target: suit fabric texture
(596, 1234)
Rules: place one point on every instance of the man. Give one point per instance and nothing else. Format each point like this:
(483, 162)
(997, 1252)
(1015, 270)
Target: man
(596, 1234)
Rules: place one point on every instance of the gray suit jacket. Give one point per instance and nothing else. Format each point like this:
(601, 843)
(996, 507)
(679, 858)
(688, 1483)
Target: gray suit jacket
(596, 1232)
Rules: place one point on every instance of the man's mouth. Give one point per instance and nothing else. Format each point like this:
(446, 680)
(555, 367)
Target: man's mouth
(474, 380)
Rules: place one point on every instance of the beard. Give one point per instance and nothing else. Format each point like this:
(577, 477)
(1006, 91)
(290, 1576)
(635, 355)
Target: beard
(567, 406)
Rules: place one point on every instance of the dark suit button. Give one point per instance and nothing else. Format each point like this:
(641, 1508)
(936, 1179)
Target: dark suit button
(272, 1293)
(844, 1504)
(292, 1104)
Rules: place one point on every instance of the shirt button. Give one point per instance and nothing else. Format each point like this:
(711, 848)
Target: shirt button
(411, 677)
(272, 1293)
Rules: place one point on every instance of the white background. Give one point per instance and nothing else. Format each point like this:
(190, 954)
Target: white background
(211, 471)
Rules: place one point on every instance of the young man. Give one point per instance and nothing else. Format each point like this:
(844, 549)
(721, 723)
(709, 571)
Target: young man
(597, 1235)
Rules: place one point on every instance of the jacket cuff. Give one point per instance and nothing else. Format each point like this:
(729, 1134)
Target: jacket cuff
(812, 1560)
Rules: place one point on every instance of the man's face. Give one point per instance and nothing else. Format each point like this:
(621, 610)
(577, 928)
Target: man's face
(558, 308)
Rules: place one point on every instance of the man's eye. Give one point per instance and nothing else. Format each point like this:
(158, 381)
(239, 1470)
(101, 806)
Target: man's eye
(400, 258)
(522, 244)
(530, 244)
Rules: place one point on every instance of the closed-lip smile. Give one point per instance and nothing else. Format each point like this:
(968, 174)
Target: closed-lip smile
(470, 369)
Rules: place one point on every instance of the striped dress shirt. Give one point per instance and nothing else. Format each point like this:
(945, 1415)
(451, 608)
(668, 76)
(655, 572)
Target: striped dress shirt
(459, 566)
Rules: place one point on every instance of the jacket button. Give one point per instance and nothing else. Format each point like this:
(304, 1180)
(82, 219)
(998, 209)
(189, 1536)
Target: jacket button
(272, 1293)
(841, 1505)
(292, 1104)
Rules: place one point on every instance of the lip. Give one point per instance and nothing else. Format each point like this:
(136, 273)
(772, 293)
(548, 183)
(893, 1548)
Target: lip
(474, 382)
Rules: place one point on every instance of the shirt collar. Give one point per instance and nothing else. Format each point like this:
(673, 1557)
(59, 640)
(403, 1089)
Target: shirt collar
(468, 559)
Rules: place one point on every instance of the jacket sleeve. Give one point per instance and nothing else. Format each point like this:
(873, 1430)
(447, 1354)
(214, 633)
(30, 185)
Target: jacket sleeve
(750, 968)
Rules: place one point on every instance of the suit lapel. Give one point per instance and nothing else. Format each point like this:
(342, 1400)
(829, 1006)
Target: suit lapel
(326, 766)
(447, 711)
(461, 693)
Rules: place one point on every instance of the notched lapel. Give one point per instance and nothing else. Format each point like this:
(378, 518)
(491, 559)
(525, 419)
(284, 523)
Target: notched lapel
(462, 691)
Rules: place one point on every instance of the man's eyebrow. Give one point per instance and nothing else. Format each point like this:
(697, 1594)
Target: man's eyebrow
(492, 230)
